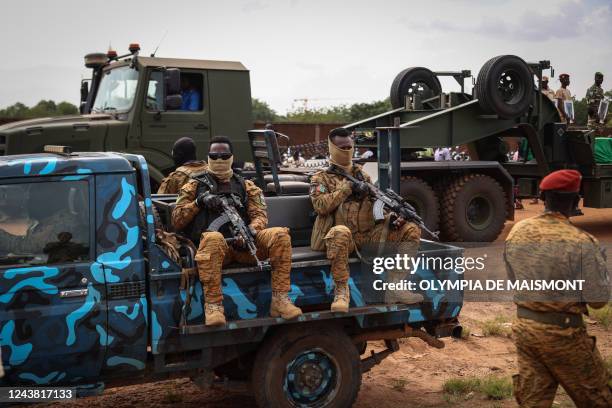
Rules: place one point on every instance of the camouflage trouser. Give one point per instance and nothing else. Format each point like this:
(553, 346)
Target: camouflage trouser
(339, 243)
(214, 253)
(549, 356)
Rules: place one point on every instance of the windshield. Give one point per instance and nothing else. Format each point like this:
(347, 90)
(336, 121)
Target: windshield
(117, 90)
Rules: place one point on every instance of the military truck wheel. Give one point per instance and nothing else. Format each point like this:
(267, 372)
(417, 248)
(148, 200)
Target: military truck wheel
(414, 80)
(473, 209)
(424, 200)
(505, 86)
(314, 368)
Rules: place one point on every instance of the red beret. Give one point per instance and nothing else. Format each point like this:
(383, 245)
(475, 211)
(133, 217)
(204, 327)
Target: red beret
(563, 76)
(562, 180)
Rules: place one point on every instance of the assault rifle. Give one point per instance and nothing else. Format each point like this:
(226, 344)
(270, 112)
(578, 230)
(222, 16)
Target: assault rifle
(387, 199)
(238, 227)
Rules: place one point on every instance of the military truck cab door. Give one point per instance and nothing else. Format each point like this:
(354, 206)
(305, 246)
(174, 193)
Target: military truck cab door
(160, 128)
(53, 314)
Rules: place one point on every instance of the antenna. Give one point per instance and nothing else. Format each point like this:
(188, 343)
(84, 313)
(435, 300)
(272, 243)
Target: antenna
(158, 44)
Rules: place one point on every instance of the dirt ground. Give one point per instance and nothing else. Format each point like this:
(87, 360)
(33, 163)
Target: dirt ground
(412, 377)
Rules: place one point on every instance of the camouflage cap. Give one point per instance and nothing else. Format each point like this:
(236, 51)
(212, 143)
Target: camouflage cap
(598, 74)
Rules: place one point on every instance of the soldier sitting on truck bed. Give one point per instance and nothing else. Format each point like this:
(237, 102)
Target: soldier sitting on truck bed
(345, 220)
(184, 156)
(197, 206)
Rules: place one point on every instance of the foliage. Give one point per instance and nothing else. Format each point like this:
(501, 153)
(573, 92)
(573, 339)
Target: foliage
(332, 114)
(262, 111)
(495, 327)
(495, 388)
(603, 316)
(43, 108)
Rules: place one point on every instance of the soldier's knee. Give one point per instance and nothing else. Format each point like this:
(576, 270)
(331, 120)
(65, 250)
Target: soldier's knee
(410, 233)
(339, 233)
(212, 242)
(279, 237)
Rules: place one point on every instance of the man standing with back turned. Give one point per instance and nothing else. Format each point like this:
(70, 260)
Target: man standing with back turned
(594, 96)
(184, 156)
(345, 220)
(551, 340)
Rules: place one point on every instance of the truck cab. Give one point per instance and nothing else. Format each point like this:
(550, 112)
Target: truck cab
(133, 105)
(90, 298)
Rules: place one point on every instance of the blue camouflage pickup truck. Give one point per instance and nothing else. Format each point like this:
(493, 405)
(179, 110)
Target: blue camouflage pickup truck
(89, 298)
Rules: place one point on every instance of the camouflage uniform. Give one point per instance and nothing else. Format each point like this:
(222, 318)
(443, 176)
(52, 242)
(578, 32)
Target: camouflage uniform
(594, 95)
(178, 178)
(213, 252)
(549, 247)
(353, 221)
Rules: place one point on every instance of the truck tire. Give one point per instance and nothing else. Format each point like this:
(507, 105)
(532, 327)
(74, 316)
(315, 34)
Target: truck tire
(409, 81)
(314, 368)
(505, 86)
(423, 198)
(473, 209)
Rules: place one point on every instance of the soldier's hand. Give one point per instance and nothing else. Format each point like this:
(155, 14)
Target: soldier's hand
(360, 189)
(396, 221)
(208, 200)
(239, 243)
(346, 185)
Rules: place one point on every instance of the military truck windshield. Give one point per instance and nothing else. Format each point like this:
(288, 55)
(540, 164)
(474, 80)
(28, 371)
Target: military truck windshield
(117, 90)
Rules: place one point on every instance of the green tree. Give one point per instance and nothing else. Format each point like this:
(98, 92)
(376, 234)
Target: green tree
(262, 111)
(41, 109)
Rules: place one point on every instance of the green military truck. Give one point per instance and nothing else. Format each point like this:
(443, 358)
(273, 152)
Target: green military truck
(132, 104)
(470, 200)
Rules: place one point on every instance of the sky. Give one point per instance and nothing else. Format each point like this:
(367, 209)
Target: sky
(330, 52)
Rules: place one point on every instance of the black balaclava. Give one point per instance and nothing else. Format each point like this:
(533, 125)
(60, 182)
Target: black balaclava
(183, 151)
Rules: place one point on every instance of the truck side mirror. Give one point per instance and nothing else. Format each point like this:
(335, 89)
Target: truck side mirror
(84, 91)
(172, 87)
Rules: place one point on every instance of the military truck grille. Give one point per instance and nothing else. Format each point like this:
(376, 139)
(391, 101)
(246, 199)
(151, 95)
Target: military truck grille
(126, 290)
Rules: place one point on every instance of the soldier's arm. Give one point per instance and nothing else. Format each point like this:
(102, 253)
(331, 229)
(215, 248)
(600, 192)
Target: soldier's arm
(596, 289)
(165, 185)
(256, 206)
(186, 208)
(325, 201)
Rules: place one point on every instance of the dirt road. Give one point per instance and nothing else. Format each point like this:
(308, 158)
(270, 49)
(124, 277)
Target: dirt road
(412, 377)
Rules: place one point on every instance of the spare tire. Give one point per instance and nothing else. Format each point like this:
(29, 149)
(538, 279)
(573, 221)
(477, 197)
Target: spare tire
(505, 86)
(414, 80)
(424, 200)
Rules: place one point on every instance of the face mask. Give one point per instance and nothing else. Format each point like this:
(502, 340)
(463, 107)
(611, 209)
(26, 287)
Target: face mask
(339, 157)
(221, 169)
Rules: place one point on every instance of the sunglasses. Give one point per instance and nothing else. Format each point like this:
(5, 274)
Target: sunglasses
(217, 156)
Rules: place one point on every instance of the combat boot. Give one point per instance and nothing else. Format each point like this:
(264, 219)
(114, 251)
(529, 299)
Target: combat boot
(342, 298)
(281, 306)
(406, 297)
(214, 313)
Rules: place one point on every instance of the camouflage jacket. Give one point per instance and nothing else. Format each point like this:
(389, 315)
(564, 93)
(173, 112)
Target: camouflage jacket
(177, 179)
(186, 209)
(331, 195)
(594, 95)
(548, 247)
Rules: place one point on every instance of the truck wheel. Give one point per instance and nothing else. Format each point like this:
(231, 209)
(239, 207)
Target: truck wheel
(424, 200)
(414, 80)
(505, 86)
(473, 209)
(314, 368)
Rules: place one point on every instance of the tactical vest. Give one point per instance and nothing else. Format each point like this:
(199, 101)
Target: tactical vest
(207, 183)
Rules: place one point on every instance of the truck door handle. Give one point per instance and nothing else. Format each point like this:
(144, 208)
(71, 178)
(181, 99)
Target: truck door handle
(200, 126)
(74, 293)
